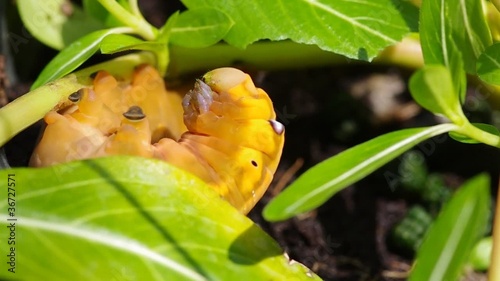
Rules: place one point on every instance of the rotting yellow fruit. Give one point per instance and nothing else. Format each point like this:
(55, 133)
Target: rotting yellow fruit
(232, 140)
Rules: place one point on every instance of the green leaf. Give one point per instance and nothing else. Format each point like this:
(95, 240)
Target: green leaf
(126, 218)
(114, 43)
(488, 65)
(465, 139)
(73, 56)
(56, 23)
(356, 29)
(454, 33)
(432, 88)
(461, 223)
(453, 22)
(325, 179)
(199, 28)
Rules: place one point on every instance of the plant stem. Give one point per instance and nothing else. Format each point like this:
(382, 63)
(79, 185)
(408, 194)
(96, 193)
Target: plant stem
(282, 55)
(31, 107)
(140, 26)
(134, 6)
(474, 132)
(494, 269)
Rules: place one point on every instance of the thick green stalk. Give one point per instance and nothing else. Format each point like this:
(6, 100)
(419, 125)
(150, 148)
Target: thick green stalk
(31, 107)
(282, 55)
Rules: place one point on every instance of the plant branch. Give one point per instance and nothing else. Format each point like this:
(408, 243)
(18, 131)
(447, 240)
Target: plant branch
(31, 107)
(140, 26)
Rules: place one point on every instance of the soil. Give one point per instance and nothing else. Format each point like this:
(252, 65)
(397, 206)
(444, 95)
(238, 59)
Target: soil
(325, 111)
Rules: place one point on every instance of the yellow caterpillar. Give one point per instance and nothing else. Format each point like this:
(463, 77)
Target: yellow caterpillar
(229, 137)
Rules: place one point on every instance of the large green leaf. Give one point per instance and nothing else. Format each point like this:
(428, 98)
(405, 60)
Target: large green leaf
(199, 28)
(125, 218)
(56, 23)
(433, 89)
(356, 29)
(488, 65)
(445, 23)
(461, 223)
(325, 179)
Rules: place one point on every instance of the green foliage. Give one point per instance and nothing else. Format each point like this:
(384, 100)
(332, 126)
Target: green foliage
(452, 236)
(56, 23)
(432, 87)
(325, 179)
(488, 65)
(455, 40)
(72, 57)
(199, 28)
(353, 29)
(125, 218)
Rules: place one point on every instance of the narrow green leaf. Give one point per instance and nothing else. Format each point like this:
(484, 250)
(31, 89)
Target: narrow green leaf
(461, 22)
(488, 65)
(356, 29)
(126, 218)
(432, 88)
(73, 56)
(199, 28)
(56, 23)
(465, 139)
(325, 179)
(114, 43)
(461, 223)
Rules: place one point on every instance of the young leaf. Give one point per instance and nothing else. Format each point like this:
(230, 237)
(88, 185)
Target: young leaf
(488, 65)
(461, 223)
(459, 21)
(432, 88)
(126, 218)
(199, 28)
(56, 23)
(114, 43)
(74, 55)
(325, 179)
(358, 30)
(465, 139)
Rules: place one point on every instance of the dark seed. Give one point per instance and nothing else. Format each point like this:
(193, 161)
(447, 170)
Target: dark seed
(254, 163)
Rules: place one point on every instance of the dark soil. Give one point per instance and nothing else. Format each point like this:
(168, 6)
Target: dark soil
(325, 111)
